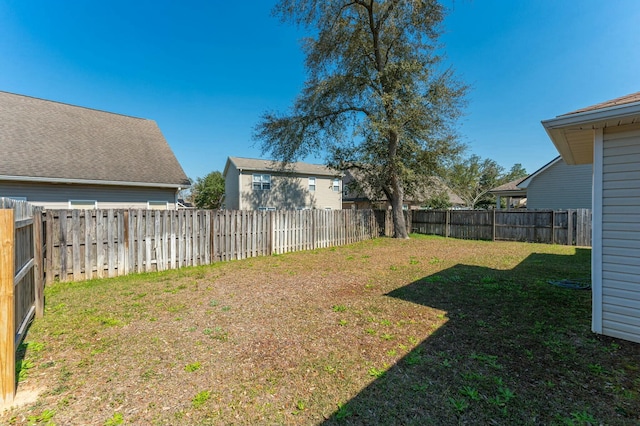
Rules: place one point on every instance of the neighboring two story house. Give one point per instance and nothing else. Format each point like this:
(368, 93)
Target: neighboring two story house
(254, 184)
(555, 186)
(64, 156)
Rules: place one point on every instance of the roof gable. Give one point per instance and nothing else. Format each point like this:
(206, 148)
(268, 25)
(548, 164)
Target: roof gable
(47, 140)
(524, 183)
(573, 133)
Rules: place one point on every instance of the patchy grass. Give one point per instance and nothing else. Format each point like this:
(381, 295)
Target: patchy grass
(423, 331)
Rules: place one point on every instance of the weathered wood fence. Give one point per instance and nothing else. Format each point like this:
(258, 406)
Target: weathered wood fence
(385, 221)
(21, 283)
(85, 244)
(566, 227)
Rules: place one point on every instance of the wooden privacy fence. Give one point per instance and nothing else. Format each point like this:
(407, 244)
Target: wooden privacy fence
(384, 219)
(85, 244)
(567, 227)
(21, 283)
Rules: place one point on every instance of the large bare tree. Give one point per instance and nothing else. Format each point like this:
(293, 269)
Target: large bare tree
(377, 97)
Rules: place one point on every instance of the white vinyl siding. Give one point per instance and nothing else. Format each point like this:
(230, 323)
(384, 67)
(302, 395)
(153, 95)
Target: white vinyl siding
(57, 196)
(561, 187)
(232, 188)
(621, 236)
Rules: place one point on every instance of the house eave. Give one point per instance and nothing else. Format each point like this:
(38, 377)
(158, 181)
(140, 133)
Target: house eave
(510, 193)
(568, 132)
(286, 172)
(39, 179)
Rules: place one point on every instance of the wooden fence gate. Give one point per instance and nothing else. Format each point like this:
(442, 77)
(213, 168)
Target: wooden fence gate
(21, 283)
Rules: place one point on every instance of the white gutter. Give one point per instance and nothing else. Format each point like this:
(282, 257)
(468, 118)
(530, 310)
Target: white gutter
(593, 116)
(557, 127)
(92, 182)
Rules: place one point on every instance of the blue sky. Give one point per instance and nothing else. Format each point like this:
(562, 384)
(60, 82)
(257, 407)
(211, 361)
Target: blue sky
(206, 70)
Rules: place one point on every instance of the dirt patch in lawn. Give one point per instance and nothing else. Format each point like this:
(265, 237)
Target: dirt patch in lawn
(424, 331)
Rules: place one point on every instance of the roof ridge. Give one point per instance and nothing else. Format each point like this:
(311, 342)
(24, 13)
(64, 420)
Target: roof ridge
(277, 161)
(72, 105)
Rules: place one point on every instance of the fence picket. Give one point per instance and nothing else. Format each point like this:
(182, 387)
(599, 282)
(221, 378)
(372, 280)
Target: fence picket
(21, 282)
(572, 227)
(99, 243)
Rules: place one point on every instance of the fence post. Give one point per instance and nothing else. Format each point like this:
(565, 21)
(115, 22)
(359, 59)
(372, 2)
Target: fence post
(7, 307)
(569, 227)
(38, 263)
(447, 223)
(493, 225)
(272, 223)
(553, 226)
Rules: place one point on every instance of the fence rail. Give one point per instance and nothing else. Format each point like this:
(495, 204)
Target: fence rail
(85, 244)
(567, 227)
(21, 282)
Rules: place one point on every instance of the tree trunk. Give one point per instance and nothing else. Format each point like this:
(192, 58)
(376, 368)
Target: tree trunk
(397, 191)
(399, 224)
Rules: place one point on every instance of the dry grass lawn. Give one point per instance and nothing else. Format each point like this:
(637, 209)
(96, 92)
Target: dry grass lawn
(423, 331)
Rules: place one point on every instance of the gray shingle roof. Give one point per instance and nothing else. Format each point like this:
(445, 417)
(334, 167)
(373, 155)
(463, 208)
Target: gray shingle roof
(509, 186)
(254, 164)
(623, 100)
(51, 140)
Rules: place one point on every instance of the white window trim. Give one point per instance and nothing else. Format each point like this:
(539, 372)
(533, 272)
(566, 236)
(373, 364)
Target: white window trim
(157, 204)
(266, 209)
(262, 181)
(312, 179)
(335, 186)
(83, 203)
(17, 198)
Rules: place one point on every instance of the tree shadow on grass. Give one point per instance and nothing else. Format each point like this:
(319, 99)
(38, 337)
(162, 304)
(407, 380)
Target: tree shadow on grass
(514, 350)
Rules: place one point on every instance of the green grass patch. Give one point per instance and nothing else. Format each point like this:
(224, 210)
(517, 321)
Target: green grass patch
(421, 331)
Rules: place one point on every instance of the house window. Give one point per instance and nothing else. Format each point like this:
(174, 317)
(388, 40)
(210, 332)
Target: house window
(157, 205)
(83, 204)
(11, 197)
(266, 209)
(261, 182)
(336, 185)
(312, 184)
